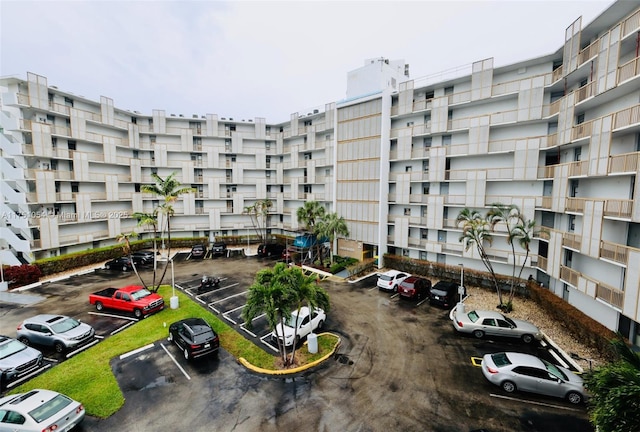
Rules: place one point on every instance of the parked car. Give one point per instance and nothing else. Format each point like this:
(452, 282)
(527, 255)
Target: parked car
(134, 299)
(57, 331)
(219, 248)
(391, 279)
(444, 293)
(270, 249)
(481, 323)
(299, 325)
(122, 263)
(414, 287)
(39, 410)
(198, 251)
(517, 371)
(142, 257)
(17, 359)
(195, 337)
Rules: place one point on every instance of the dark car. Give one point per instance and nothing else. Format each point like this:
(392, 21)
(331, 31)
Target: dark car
(414, 288)
(208, 283)
(219, 248)
(59, 331)
(195, 337)
(270, 249)
(198, 251)
(122, 263)
(444, 293)
(142, 257)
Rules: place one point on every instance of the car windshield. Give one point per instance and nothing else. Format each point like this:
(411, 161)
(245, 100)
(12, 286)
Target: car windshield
(202, 337)
(555, 370)
(49, 408)
(140, 294)
(386, 277)
(11, 348)
(65, 325)
(510, 321)
(291, 322)
(473, 316)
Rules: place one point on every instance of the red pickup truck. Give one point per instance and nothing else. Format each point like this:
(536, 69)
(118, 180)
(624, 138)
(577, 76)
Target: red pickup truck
(135, 299)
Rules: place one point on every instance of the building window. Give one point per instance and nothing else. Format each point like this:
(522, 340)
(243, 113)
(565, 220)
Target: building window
(409, 124)
(572, 223)
(75, 187)
(425, 165)
(407, 168)
(54, 142)
(71, 145)
(152, 138)
(307, 122)
(136, 187)
(430, 94)
(407, 211)
(327, 137)
(446, 140)
(426, 142)
(68, 102)
(136, 155)
(580, 119)
(448, 90)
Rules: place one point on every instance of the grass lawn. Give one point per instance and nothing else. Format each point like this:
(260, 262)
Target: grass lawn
(87, 377)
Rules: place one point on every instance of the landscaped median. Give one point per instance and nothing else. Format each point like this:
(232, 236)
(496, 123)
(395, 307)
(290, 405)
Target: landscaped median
(87, 377)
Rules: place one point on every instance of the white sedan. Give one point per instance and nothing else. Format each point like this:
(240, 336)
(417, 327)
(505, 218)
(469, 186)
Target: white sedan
(480, 323)
(39, 410)
(299, 325)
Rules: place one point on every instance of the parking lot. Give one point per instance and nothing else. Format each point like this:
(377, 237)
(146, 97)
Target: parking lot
(401, 366)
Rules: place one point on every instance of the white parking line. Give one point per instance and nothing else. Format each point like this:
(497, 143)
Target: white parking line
(82, 348)
(119, 329)
(215, 290)
(262, 339)
(28, 376)
(374, 288)
(242, 326)
(174, 360)
(533, 402)
(136, 351)
(228, 297)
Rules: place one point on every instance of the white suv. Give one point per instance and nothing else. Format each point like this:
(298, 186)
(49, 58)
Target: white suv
(390, 280)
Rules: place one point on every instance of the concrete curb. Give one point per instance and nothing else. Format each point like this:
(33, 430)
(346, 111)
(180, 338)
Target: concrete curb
(565, 356)
(293, 371)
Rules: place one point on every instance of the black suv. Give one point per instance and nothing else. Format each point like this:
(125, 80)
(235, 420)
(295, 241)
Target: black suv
(219, 248)
(444, 293)
(270, 249)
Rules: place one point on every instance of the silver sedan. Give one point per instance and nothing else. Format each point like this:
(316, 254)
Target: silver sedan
(517, 371)
(481, 323)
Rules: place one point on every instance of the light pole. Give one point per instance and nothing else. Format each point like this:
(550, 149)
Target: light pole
(174, 298)
(461, 289)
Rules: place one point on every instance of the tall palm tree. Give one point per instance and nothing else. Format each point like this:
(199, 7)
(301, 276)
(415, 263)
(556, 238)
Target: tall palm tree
(126, 248)
(309, 215)
(524, 233)
(510, 216)
(270, 294)
(150, 219)
(259, 214)
(476, 232)
(332, 226)
(305, 291)
(170, 189)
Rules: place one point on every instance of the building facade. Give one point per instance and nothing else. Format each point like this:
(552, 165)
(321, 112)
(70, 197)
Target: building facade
(557, 135)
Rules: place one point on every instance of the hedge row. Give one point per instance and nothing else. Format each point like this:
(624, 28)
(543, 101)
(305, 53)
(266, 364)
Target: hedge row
(579, 325)
(21, 275)
(93, 256)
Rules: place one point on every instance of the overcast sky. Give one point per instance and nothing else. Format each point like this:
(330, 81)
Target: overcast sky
(247, 59)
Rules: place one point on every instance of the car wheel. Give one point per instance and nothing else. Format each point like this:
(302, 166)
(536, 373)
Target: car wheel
(99, 306)
(527, 338)
(59, 347)
(137, 313)
(395, 289)
(24, 340)
(186, 354)
(478, 334)
(170, 337)
(508, 386)
(107, 266)
(574, 398)
(320, 324)
(125, 268)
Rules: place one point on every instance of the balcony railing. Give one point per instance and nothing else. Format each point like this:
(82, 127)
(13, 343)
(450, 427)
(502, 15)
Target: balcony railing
(575, 205)
(572, 240)
(620, 208)
(542, 263)
(627, 117)
(569, 275)
(624, 163)
(609, 294)
(614, 252)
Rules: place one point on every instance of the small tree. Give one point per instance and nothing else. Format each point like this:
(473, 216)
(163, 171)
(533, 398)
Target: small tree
(309, 215)
(615, 392)
(332, 226)
(151, 219)
(259, 214)
(126, 248)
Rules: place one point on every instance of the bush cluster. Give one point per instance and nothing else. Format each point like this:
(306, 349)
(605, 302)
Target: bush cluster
(578, 324)
(24, 274)
(341, 263)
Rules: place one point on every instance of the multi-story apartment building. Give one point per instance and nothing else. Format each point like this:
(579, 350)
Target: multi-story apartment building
(557, 135)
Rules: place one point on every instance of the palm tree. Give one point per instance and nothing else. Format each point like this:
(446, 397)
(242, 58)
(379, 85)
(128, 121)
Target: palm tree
(259, 211)
(524, 233)
(270, 294)
(475, 232)
(332, 226)
(511, 217)
(306, 291)
(615, 390)
(150, 219)
(170, 189)
(309, 215)
(126, 238)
